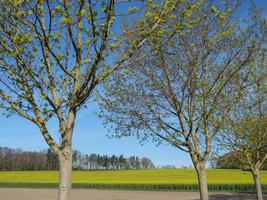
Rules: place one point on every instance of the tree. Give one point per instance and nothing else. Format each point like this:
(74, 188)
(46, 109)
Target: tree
(246, 127)
(106, 162)
(132, 162)
(87, 161)
(53, 54)
(77, 160)
(122, 162)
(116, 162)
(146, 163)
(137, 163)
(93, 161)
(113, 161)
(229, 160)
(233, 160)
(52, 160)
(99, 161)
(249, 141)
(183, 91)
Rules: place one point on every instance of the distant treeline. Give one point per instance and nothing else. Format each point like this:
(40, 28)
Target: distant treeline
(96, 161)
(17, 159)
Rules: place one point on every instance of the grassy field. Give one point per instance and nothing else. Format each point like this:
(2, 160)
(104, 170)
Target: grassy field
(174, 179)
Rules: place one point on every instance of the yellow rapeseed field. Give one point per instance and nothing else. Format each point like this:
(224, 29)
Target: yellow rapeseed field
(178, 176)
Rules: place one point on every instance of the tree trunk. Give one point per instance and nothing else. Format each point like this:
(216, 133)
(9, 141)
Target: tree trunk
(256, 177)
(65, 169)
(202, 181)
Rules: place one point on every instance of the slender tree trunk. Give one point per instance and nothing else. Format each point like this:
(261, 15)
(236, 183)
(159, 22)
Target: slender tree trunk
(256, 177)
(202, 181)
(65, 169)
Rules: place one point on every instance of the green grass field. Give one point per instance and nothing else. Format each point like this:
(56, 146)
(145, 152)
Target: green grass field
(139, 178)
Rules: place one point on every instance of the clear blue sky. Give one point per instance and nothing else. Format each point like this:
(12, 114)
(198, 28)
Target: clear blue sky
(90, 136)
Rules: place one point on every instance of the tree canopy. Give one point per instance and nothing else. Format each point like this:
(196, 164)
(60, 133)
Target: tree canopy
(182, 92)
(53, 54)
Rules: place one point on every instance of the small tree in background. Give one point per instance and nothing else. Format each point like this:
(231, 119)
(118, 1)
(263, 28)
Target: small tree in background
(250, 141)
(246, 130)
(53, 54)
(182, 92)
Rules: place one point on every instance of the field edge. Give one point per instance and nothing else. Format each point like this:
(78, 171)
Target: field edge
(240, 188)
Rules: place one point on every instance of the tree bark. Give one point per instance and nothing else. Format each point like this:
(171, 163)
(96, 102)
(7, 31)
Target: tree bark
(202, 181)
(256, 177)
(65, 169)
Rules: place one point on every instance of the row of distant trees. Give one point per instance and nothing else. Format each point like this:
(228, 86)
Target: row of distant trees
(96, 161)
(17, 159)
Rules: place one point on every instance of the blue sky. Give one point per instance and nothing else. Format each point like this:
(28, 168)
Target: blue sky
(90, 136)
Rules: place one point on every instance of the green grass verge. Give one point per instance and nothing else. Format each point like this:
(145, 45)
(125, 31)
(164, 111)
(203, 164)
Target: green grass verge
(140, 187)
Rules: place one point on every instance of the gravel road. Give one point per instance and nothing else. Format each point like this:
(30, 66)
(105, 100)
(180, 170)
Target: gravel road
(83, 194)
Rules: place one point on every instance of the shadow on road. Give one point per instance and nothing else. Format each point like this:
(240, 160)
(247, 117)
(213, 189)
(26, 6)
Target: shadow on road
(233, 197)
